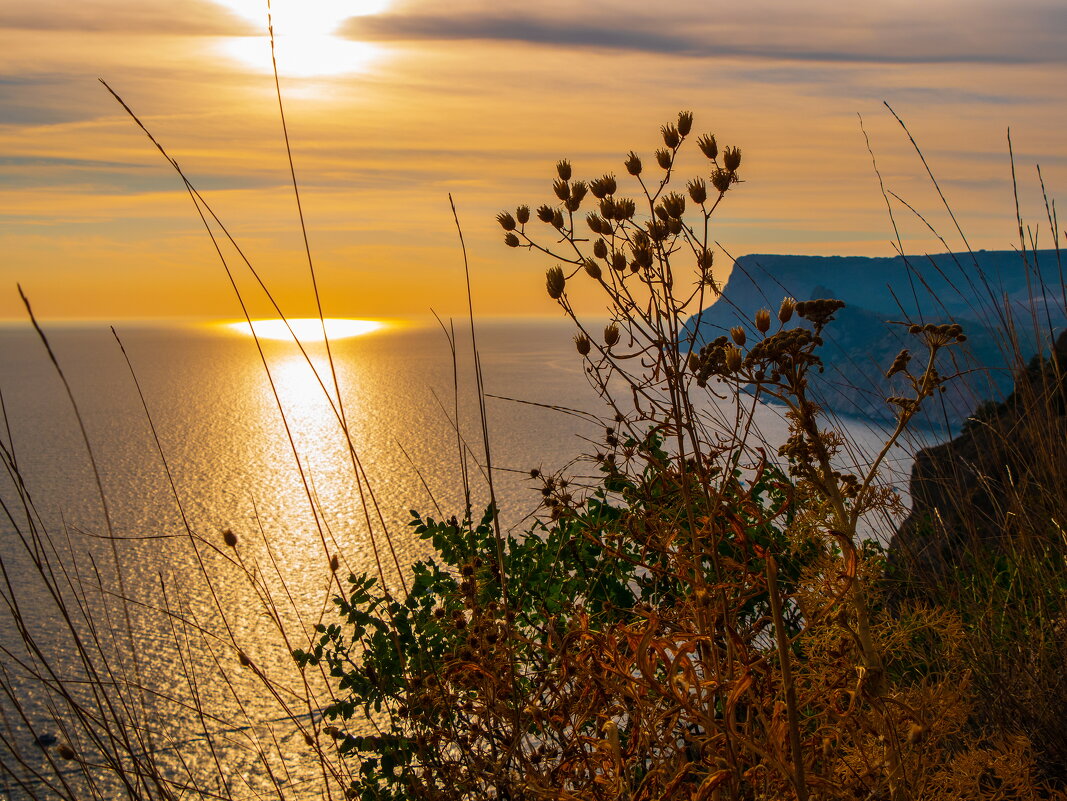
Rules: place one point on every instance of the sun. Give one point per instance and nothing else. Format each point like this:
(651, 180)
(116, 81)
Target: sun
(306, 36)
(307, 329)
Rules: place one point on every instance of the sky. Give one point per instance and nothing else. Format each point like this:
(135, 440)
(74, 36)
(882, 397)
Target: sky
(393, 104)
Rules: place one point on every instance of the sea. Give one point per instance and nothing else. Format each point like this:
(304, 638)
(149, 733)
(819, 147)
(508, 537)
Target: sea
(132, 454)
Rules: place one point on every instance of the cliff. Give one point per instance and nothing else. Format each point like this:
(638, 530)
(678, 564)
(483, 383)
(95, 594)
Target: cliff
(1007, 470)
(980, 291)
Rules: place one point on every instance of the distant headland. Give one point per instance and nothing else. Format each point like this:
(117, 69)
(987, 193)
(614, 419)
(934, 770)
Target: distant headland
(1005, 300)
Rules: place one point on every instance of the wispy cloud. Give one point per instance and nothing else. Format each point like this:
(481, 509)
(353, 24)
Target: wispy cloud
(953, 32)
(188, 17)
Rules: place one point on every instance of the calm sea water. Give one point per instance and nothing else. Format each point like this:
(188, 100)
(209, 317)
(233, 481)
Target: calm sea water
(233, 457)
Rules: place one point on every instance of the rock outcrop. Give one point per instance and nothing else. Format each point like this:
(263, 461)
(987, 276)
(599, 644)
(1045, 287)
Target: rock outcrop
(1004, 477)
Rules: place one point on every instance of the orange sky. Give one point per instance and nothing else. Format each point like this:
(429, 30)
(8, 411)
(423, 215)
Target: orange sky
(392, 105)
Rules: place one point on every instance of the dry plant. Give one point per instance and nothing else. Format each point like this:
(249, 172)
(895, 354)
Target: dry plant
(697, 619)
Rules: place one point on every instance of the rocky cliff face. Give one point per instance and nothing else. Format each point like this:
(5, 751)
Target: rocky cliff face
(1003, 477)
(975, 290)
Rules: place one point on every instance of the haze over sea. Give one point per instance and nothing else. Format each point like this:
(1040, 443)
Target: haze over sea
(233, 467)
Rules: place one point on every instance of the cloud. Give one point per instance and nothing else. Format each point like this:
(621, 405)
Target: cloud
(894, 33)
(189, 17)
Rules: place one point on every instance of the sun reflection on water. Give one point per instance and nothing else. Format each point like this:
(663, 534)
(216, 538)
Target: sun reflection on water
(307, 329)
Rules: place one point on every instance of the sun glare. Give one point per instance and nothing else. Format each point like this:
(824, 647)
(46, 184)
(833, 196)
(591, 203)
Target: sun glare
(305, 35)
(307, 329)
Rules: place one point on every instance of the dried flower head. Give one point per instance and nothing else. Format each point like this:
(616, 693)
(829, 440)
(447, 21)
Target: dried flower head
(663, 158)
(785, 311)
(708, 146)
(671, 137)
(581, 342)
(555, 282)
(507, 222)
(674, 205)
(737, 334)
(611, 334)
(522, 214)
(698, 190)
(731, 158)
(563, 169)
(633, 164)
(591, 268)
(544, 213)
(685, 122)
(600, 249)
(763, 320)
(335, 563)
(900, 363)
(721, 180)
(733, 358)
(511, 240)
(562, 189)
(604, 186)
(229, 537)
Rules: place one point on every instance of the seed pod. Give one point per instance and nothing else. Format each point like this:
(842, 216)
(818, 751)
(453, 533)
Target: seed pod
(708, 146)
(663, 158)
(685, 122)
(334, 563)
(578, 190)
(633, 164)
(625, 208)
(737, 334)
(643, 256)
(671, 137)
(563, 169)
(674, 204)
(511, 240)
(618, 261)
(507, 222)
(555, 282)
(572, 204)
(581, 342)
(591, 268)
(721, 180)
(733, 358)
(229, 537)
(731, 158)
(544, 213)
(611, 334)
(785, 311)
(900, 363)
(705, 259)
(596, 225)
(763, 320)
(600, 249)
(557, 219)
(674, 225)
(698, 190)
(607, 209)
(562, 189)
(242, 657)
(522, 213)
